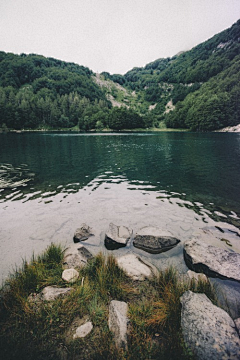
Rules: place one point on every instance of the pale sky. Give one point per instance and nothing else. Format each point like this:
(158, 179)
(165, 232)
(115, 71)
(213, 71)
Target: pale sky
(111, 35)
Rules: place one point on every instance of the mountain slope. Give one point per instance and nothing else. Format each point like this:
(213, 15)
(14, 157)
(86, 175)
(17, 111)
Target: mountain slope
(197, 89)
(196, 81)
(40, 92)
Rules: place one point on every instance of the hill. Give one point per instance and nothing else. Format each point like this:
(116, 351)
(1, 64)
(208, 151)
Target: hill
(44, 92)
(197, 90)
(202, 86)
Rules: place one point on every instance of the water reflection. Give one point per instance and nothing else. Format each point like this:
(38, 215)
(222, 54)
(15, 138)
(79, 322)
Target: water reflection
(181, 183)
(197, 171)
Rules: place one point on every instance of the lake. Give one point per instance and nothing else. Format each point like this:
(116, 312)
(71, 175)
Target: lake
(51, 183)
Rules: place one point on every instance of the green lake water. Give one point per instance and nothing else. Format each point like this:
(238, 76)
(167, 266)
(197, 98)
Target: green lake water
(183, 183)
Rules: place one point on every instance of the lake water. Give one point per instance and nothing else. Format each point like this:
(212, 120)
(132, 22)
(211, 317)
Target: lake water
(185, 183)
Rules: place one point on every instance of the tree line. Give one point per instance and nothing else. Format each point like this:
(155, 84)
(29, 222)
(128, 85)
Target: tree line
(24, 109)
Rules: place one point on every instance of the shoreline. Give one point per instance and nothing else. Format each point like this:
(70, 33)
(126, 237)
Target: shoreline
(54, 297)
(229, 129)
(94, 131)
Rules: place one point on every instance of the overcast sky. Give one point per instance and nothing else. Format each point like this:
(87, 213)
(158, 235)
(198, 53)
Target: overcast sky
(111, 35)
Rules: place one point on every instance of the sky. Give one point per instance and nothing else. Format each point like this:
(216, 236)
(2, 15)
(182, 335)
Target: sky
(111, 35)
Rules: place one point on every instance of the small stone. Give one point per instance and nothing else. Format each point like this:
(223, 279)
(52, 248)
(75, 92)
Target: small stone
(83, 330)
(70, 275)
(117, 236)
(49, 293)
(118, 322)
(134, 267)
(76, 256)
(82, 233)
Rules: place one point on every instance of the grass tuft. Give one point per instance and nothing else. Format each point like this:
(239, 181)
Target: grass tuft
(45, 332)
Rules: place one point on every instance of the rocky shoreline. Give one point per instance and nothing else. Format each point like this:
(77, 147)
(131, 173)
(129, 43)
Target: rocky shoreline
(209, 331)
(235, 129)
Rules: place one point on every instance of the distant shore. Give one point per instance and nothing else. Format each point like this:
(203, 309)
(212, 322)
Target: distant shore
(96, 131)
(232, 129)
(235, 129)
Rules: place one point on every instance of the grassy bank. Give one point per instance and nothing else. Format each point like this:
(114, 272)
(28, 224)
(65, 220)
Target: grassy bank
(42, 332)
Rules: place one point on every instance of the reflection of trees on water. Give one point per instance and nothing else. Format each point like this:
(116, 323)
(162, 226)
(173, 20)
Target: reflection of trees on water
(198, 167)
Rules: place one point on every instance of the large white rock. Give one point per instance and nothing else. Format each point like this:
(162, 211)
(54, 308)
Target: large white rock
(118, 322)
(83, 330)
(76, 256)
(134, 267)
(70, 275)
(211, 260)
(208, 330)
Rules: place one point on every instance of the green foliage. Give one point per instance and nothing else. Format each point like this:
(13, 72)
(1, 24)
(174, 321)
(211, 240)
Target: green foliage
(122, 118)
(107, 277)
(203, 84)
(45, 330)
(214, 106)
(39, 92)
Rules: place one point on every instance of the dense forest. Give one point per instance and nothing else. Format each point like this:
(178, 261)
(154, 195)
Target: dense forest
(202, 85)
(197, 90)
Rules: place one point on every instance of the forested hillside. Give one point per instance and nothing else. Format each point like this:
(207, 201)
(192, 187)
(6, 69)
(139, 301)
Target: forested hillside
(43, 92)
(198, 90)
(214, 64)
(200, 86)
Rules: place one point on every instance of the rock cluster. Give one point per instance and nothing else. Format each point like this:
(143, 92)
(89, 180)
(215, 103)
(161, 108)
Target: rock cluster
(208, 330)
(149, 239)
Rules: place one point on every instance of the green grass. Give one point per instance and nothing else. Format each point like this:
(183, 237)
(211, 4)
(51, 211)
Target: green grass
(44, 331)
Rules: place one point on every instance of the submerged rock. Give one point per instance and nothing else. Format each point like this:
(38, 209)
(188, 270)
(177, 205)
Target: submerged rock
(117, 237)
(118, 322)
(136, 268)
(208, 330)
(228, 295)
(212, 261)
(154, 240)
(76, 256)
(82, 233)
(154, 244)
